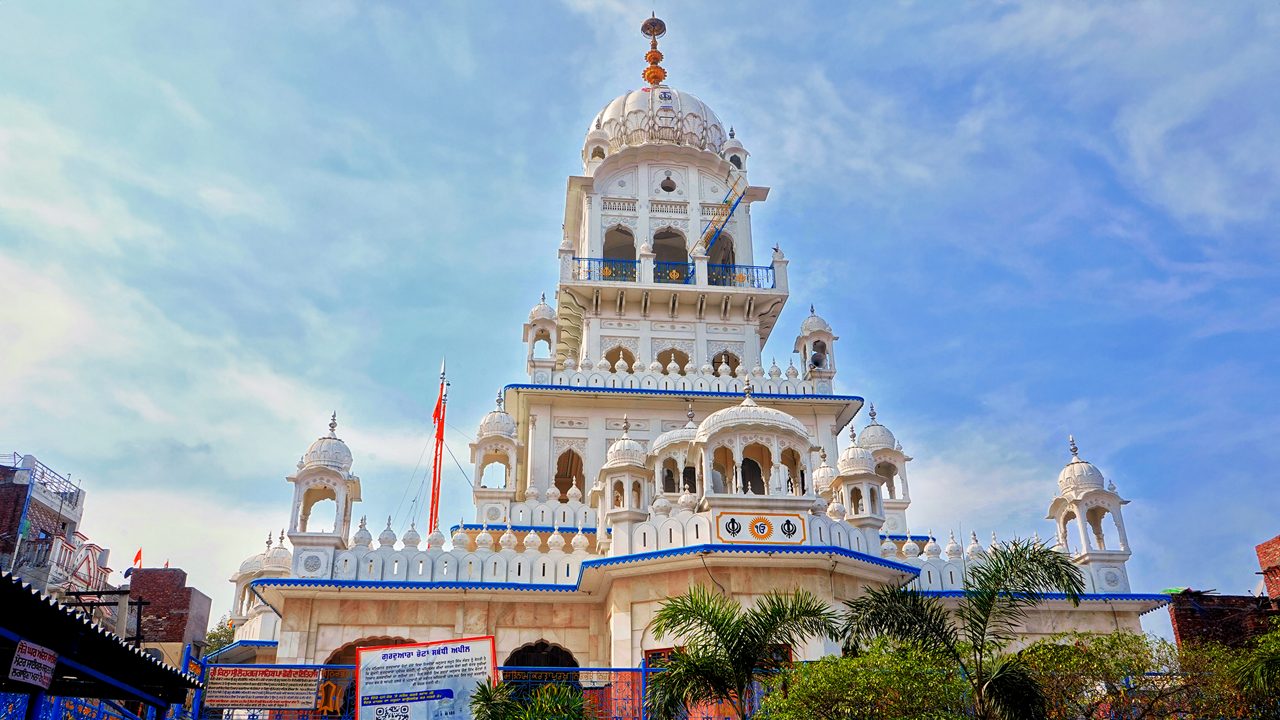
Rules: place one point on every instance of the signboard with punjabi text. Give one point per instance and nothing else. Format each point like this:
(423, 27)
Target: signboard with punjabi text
(262, 688)
(33, 664)
(423, 681)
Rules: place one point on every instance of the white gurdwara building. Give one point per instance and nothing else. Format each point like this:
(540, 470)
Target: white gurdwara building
(652, 448)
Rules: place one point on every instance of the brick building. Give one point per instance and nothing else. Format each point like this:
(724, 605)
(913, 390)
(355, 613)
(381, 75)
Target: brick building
(1232, 620)
(176, 614)
(40, 540)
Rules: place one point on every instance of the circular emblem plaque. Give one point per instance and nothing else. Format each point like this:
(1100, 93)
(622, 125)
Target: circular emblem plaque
(312, 563)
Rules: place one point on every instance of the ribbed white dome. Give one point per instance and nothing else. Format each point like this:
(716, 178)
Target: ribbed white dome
(855, 459)
(1078, 474)
(745, 414)
(497, 422)
(625, 451)
(814, 323)
(278, 556)
(823, 475)
(542, 311)
(328, 451)
(656, 115)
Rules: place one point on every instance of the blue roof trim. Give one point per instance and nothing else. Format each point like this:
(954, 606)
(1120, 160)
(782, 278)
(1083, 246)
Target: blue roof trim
(680, 393)
(408, 585)
(240, 643)
(523, 528)
(586, 564)
(1084, 597)
(746, 548)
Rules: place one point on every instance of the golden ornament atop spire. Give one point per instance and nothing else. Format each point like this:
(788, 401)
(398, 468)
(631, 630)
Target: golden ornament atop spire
(653, 28)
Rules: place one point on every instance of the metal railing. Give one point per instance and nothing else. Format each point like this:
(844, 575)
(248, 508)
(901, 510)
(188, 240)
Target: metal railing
(746, 276)
(606, 269)
(13, 706)
(675, 273)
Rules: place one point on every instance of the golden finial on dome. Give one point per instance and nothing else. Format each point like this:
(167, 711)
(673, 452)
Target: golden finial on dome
(653, 28)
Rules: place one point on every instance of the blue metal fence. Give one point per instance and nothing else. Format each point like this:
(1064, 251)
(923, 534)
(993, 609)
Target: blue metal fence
(13, 706)
(674, 273)
(606, 269)
(749, 276)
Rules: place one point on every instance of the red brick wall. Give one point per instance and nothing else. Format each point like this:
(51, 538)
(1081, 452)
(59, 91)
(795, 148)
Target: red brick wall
(11, 500)
(176, 613)
(1269, 562)
(1231, 620)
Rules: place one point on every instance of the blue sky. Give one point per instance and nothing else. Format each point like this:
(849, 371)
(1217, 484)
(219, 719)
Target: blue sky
(219, 222)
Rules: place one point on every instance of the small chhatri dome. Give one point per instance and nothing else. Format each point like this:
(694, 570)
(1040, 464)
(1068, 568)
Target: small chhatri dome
(328, 451)
(876, 436)
(855, 459)
(362, 538)
(748, 413)
(411, 537)
(387, 538)
(678, 436)
(823, 475)
(888, 548)
(624, 450)
(814, 323)
(1078, 474)
(278, 557)
(497, 422)
(579, 542)
(542, 311)
(254, 562)
(953, 551)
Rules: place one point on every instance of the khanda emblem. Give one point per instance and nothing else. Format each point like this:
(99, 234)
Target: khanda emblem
(788, 529)
(733, 527)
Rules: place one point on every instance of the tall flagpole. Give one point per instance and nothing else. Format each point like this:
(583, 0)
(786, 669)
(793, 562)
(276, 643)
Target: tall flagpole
(437, 416)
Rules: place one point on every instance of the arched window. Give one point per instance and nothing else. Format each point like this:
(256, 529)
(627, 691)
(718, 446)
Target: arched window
(752, 480)
(669, 471)
(620, 353)
(818, 359)
(669, 246)
(722, 471)
(490, 459)
(666, 356)
(1095, 517)
(795, 471)
(619, 494)
(856, 500)
(324, 497)
(541, 654)
(569, 473)
(637, 497)
(888, 472)
(690, 479)
(542, 343)
(619, 244)
(725, 358)
(722, 252)
(757, 467)
(735, 161)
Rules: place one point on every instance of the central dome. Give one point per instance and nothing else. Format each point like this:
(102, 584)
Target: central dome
(659, 115)
(748, 413)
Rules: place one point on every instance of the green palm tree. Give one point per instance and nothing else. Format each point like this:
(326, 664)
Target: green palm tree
(503, 701)
(999, 589)
(728, 648)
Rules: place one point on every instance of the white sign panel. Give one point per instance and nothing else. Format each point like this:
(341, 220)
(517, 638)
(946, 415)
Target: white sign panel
(424, 681)
(760, 528)
(261, 688)
(33, 664)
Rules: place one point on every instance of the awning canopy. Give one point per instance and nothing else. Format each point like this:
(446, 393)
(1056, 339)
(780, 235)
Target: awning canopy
(92, 662)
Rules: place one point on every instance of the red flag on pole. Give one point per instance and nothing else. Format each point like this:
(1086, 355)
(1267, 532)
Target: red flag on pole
(137, 559)
(437, 417)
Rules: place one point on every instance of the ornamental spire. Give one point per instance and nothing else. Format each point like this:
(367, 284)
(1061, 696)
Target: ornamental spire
(333, 424)
(1075, 451)
(871, 413)
(653, 28)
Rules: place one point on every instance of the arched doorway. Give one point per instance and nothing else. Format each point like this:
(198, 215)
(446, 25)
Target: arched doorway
(336, 692)
(541, 654)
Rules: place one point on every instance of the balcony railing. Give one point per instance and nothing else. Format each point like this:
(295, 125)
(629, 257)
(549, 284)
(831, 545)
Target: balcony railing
(748, 276)
(606, 269)
(675, 273)
(619, 205)
(663, 207)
